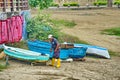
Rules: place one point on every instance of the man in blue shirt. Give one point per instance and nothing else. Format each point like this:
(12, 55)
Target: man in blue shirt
(56, 49)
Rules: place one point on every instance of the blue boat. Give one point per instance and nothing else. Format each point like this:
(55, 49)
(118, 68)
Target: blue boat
(25, 54)
(95, 50)
(44, 48)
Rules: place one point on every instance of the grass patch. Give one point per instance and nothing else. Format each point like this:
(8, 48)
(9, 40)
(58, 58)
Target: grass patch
(114, 53)
(63, 23)
(112, 31)
(69, 38)
(2, 67)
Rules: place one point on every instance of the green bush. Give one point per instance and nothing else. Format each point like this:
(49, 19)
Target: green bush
(100, 3)
(42, 4)
(66, 4)
(71, 4)
(40, 27)
(116, 2)
(74, 4)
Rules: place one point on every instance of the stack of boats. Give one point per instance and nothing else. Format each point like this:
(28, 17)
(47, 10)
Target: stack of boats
(39, 51)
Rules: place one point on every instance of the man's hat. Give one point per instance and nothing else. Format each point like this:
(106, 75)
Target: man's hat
(50, 36)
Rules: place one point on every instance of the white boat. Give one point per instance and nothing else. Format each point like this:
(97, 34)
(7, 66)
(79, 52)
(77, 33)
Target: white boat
(95, 50)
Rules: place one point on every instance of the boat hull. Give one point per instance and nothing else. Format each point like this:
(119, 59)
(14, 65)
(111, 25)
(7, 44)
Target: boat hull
(44, 47)
(25, 54)
(95, 50)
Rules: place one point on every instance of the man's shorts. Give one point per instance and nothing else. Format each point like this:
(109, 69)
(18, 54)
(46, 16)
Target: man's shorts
(56, 54)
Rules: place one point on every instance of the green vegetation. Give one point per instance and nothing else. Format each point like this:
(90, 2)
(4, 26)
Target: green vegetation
(41, 26)
(54, 5)
(104, 2)
(117, 2)
(69, 38)
(66, 4)
(100, 2)
(114, 53)
(71, 4)
(21, 44)
(40, 3)
(112, 31)
(63, 23)
(2, 67)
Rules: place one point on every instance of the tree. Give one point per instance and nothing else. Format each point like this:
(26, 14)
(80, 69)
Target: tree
(109, 3)
(40, 3)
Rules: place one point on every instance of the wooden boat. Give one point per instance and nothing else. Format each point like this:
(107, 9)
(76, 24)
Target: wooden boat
(25, 54)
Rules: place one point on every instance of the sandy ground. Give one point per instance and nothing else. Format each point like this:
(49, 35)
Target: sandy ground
(89, 25)
(91, 69)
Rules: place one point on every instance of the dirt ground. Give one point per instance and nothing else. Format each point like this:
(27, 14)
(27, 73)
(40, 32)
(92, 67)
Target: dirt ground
(91, 69)
(89, 25)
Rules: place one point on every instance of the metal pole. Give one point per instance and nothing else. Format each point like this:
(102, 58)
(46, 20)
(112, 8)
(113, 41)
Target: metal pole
(7, 58)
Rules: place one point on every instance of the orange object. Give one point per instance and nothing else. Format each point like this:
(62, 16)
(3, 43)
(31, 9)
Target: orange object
(2, 55)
